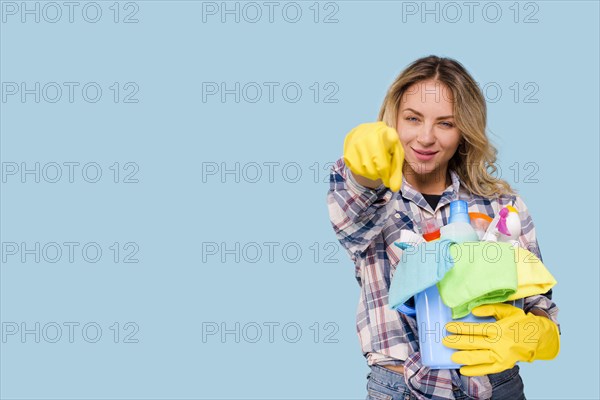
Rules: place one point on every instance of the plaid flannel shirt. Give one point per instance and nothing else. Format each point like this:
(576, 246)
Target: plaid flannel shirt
(367, 222)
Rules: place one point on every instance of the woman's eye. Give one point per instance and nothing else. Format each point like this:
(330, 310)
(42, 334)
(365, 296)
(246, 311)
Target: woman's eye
(447, 124)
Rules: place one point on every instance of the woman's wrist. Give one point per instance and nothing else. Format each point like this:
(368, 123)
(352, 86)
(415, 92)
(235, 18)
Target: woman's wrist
(366, 182)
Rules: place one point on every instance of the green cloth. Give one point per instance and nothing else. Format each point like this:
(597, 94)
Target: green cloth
(483, 273)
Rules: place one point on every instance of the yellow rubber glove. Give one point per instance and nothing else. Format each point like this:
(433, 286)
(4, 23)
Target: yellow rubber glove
(373, 150)
(496, 346)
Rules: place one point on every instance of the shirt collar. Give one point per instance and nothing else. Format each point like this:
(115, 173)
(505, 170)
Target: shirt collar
(450, 194)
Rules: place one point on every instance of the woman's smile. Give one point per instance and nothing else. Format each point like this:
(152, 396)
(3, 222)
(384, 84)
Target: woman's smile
(424, 155)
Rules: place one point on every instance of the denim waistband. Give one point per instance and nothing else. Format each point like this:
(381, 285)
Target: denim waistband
(392, 378)
(501, 377)
(388, 378)
(386, 373)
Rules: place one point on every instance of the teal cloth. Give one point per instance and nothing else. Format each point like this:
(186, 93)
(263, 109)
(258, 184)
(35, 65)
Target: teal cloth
(421, 266)
(483, 273)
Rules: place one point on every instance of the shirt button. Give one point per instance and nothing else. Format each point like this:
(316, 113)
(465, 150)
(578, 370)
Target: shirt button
(397, 215)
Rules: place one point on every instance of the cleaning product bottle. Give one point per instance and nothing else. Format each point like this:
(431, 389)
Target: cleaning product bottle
(506, 227)
(432, 314)
(480, 222)
(430, 231)
(430, 228)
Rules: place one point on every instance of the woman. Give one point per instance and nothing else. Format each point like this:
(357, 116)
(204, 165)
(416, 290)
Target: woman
(427, 149)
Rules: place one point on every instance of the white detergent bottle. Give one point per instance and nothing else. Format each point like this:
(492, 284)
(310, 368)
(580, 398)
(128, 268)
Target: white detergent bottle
(506, 227)
(431, 313)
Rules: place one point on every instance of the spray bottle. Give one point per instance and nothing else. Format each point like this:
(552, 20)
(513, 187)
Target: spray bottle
(506, 227)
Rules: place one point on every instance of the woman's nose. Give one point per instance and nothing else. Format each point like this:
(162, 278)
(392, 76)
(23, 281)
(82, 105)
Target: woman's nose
(426, 136)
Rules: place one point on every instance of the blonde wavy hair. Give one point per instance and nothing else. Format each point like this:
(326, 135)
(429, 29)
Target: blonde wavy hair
(474, 160)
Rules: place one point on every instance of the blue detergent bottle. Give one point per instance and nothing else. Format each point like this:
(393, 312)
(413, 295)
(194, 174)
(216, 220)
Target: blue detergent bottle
(431, 312)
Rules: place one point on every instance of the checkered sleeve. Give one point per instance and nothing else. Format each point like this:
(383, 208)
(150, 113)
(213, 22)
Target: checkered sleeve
(528, 240)
(357, 213)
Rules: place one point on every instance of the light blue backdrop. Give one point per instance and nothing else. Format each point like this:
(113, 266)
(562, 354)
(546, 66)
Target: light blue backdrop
(287, 318)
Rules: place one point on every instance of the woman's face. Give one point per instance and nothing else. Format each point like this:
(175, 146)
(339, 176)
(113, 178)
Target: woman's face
(427, 131)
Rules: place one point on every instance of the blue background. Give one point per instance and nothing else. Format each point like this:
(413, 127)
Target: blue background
(172, 294)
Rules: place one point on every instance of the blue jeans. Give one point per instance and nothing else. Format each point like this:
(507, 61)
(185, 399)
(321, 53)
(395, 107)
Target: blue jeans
(385, 384)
